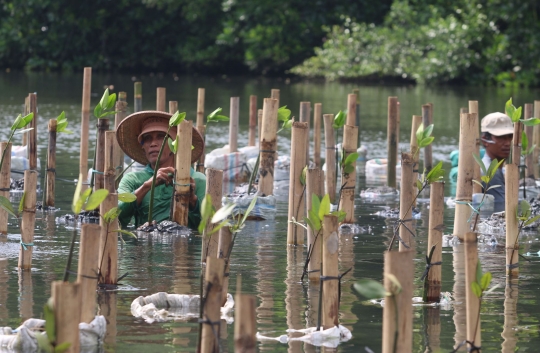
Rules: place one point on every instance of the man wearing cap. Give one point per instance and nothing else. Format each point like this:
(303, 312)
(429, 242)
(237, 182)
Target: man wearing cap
(140, 136)
(497, 133)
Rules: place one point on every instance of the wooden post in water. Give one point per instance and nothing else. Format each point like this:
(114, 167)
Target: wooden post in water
(393, 138)
(473, 302)
(330, 297)
(121, 112)
(233, 124)
(317, 117)
(85, 123)
(351, 110)
(214, 188)
(467, 143)
(536, 140)
(32, 134)
(427, 119)
(182, 178)
(173, 107)
(330, 145)
(268, 147)
(415, 151)
(473, 109)
(108, 243)
(28, 220)
(356, 92)
(252, 120)
(161, 100)
(511, 188)
(305, 114)
(397, 310)
(51, 165)
(109, 171)
(224, 247)
(88, 270)
(295, 233)
(516, 143)
(137, 97)
(67, 314)
(5, 175)
(529, 160)
(245, 324)
(436, 217)
(102, 126)
(200, 125)
(511, 296)
(314, 186)
(406, 197)
(348, 179)
(212, 305)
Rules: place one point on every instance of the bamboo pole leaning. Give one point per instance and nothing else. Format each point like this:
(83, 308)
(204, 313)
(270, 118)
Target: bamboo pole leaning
(85, 123)
(436, 217)
(234, 118)
(28, 220)
(330, 146)
(406, 198)
(108, 244)
(66, 301)
(5, 175)
(348, 179)
(252, 120)
(427, 119)
(200, 125)
(473, 302)
(536, 141)
(51, 165)
(268, 147)
(88, 269)
(182, 177)
(314, 186)
(295, 233)
(317, 117)
(212, 305)
(161, 100)
(393, 138)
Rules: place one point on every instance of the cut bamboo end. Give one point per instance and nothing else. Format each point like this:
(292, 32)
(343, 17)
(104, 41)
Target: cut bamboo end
(473, 302)
(274, 94)
(348, 179)
(5, 175)
(268, 147)
(295, 233)
(87, 270)
(436, 218)
(330, 253)
(234, 118)
(317, 118)
(252, 120)
(245, 325)
(183, 170)
(393, 138)
(511, 186)
(137, 97)
(161, 100)
(330, 144)
(28, 220)
(67, 301)
(108, 243)
(406, 197)
(211, 312)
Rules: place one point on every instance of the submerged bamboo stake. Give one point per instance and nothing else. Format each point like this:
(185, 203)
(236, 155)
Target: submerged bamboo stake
(252, 120)
(5, 175)
(109, 171)
(314, 186)
(393, 138)
(121, 108)
(224, 247)
(200, 125)
(536, 140)
(268, 147)
(85, 122)
(511, 189)
(137, 97)
(511, 296)
(427, 119)
(295, 233)
(305, 113)
(330, 297)
(88, 270)
(473, 302)
(432, 325)
(245, 325)
(32, 134)
(108, 243)
(51, 164)
(348, 180)
(102, 126)
(25, 298)
(406, 197)
(173, 107)
(182, 178)
(467, 143)
(233, 124)
(529, 160)
(397, 310)
(67, 314)
(436, 217)
(161, 100)
(211, 312)
(415, 151)
(473, 109)
(28, 220)
(317, 117)
(107, 303)
(214, 188)
(330, 145)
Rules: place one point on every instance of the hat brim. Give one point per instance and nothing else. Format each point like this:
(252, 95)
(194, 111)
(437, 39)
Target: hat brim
(501, 132)
(129, 129)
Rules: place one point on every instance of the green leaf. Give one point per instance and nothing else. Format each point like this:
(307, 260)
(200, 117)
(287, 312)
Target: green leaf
(530, 122)
(340, 215)
(112, 214)
(351, 158)
(478, 183)
(26, 120)
(396, 286)
(524, 143)
(111, 102)
(425, 142)
(6, 205)
(485, 281)
(283, 113)
(475, 287)
(173, 145)
(532, 220)
(103, 103)
(126, 197)
(370, 289)
(428, 131)
(480, 163)
(419, 185)
(50, 326)
(339, 120)
(61, 348)
(223, 213)
(177, 118)
(249, 209)
(420, 132)
(348, 169)
(43, 342)
(214, 113)
(493, 187)
(220, 118)
(95, 199)
(97, 111)
(525, 208)
(18, 132)
(123, 231)
(516, 115)
(310, 224)
(324, 208)
(61, 118)
(509, 108)
(436, 173)
(16, 122)
(478, 271)
(314, 219)
(21, 203)
(225, 223)
(206, 212)
(493, 288)
(303, 176)
(315, 203)
(77, 196)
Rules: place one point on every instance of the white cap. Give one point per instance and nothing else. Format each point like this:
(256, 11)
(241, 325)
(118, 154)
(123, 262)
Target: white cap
(497, 124)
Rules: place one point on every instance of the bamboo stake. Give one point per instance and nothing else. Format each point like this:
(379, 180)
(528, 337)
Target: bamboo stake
(233, 124)
(406, 198)
(511, 296)
(102, 126)
(473, 109)
(245, 325)
(5, 175)
(436, 217)
(330, 145)
(511, 189)
(317, 117)
(51, 164)
(161, 101)
(108, 243)
(348, 180)
(211, 312)
(88, 270)
(467, 142)
(529, 160)
(516, 143)
(473, 302)
(294, 293)
(295, 233)
(182, 178)
(536, 140)
(259, 124)
(200, 125)
(397, 310)
(252, 120)
(67, 314)
(28, 220)
(85, 122)
(305, 113)
(109, 171)
(415, 151)
(427, 119)
(314, 186)
(26, 295)
(137, 97)
(121, 108)
(268, 147)
(330, 246)
(26, 111)
(214, 188)
(108, 307)
(224, 247)
(351, 109)
(463, 110)
(32, 134)
(460, 308)
(393, 136)
(274, 94)
(173, 107)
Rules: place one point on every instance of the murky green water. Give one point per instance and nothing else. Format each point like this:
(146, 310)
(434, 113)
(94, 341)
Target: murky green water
(269, 270)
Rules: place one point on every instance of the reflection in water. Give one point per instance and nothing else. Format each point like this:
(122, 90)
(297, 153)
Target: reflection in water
(510, 316)
(347, 300)
(294, 294)
(4, 290)
(460, 309)
(107, 307)
(432, 329)
(26, 295)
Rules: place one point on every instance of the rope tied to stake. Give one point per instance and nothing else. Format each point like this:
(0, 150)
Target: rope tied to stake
(94, 171)
(399, 223)
(268, 151)
(51, 170)
(428, 267)
(5, 189)
(25, 245)
(512, 266)
(472, 348)
(338, 278)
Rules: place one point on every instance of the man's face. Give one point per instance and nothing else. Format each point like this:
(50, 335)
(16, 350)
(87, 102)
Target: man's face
(499, 148)
(151, 143)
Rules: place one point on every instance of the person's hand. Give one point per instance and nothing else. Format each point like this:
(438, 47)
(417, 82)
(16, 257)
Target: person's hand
(164, 176)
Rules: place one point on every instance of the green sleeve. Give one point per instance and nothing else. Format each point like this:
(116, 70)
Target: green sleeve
(128, 184)
(194, 216)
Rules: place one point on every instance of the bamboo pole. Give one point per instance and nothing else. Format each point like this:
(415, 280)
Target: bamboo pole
(406, 197)
(137, 97)
(173, 107)
(252, 120)
(211, 312)
(85, 123)
(415, 151)
(88, 270)
(463, 110)
(432, 327)
(348, 180)
(295, 233)
(108, 307)
(51, 164)
(274, 94)
(436, 217)
(26, 111)
(330, 297)
(26, 295)
(473, 302)
(467, 142)
(233, 124)
(458, 289)
(200, 125)
(305, 113)
(393, 137)
(259, 125)
(516, 143)
(5, 175)
(351, 109)
(102, 126)
(32, 134)
(214, 188)
(511, 188)
(529, 160)
(536, 140)
(397, 310)
(182, 178)
(245, 324)
(109, 171)
(314, 186)
(294, 293)
(356, 91)
(224, 247)
(108, 243)
(121, 112)
(473, 109)
(511, 296)
(427, 119)
(28, 220)
(67, 314)
(161, 101)
(330, 145)
(268, 147)
(317, 117)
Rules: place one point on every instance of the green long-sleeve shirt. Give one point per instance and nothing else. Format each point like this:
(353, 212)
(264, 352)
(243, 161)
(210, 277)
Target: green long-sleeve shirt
(162, 199)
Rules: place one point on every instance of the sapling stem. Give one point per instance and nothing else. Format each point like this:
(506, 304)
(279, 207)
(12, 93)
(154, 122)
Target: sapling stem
(151, 207)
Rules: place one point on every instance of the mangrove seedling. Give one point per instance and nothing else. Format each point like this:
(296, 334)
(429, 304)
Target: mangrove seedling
(47, 341)
(284, 115)
(105, 106)
(61, 125)
(19, 123)
(215, 117)
(423, 137)
(6, 205)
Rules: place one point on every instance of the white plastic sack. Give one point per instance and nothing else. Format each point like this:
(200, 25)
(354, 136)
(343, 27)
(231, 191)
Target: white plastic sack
(19, 165)
(265, 206)
(225, 161)
(377, 168)
(328, 338)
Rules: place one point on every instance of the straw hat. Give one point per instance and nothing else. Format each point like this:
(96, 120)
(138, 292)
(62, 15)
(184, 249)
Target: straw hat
(497, 124)
(129, 130)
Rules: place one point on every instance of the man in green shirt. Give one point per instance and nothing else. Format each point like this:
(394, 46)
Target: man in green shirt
(140, 136)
